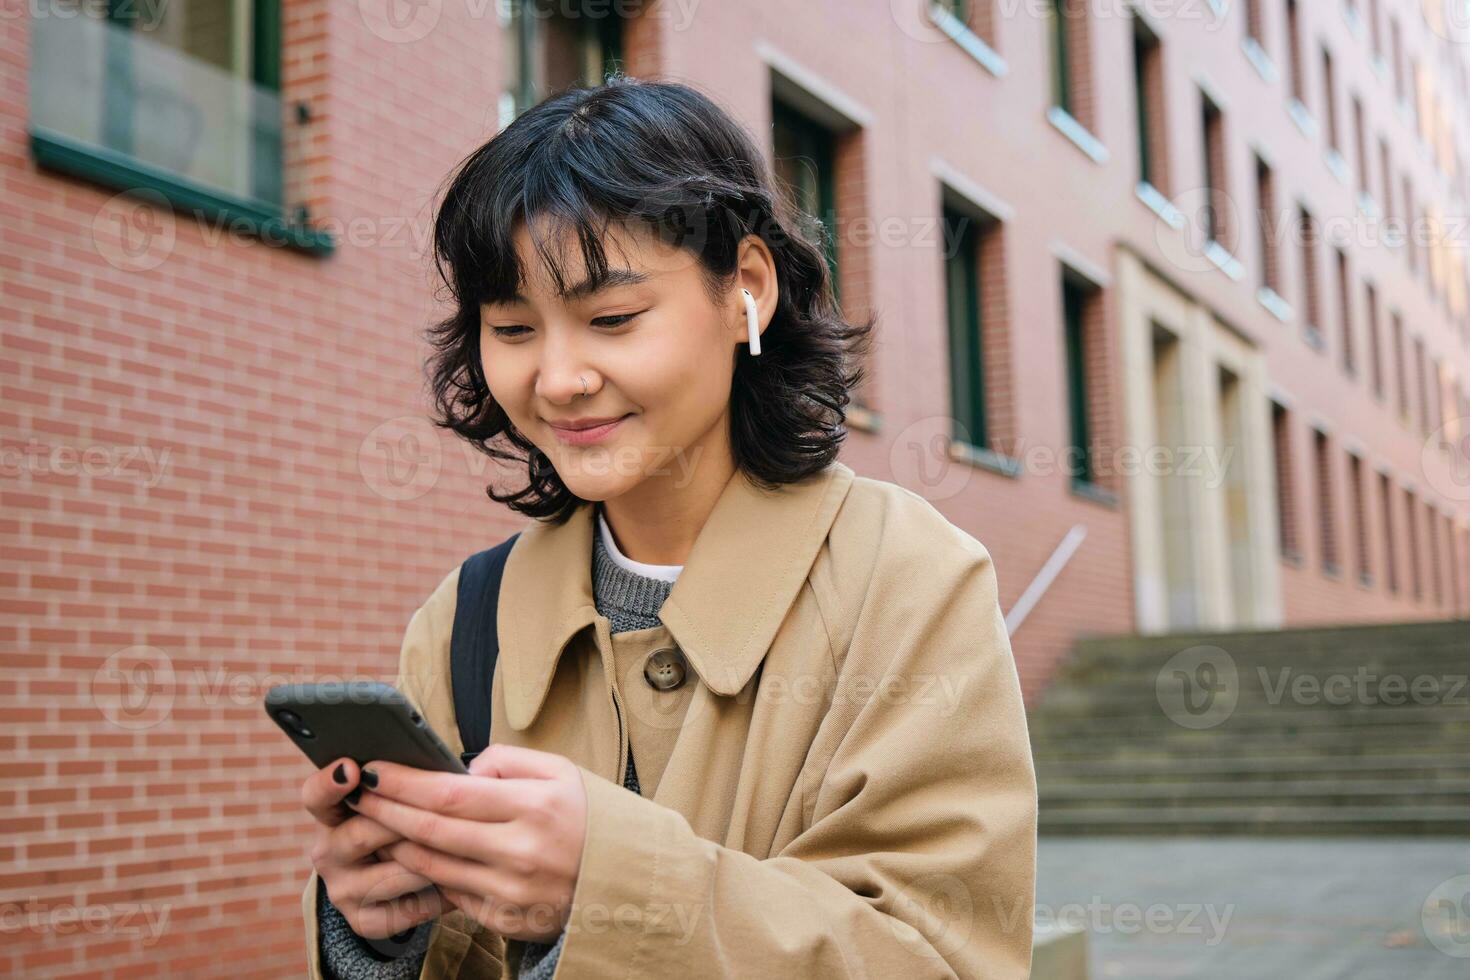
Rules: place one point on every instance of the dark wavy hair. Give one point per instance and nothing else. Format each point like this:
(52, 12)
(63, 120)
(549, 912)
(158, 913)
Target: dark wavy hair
(663, 154)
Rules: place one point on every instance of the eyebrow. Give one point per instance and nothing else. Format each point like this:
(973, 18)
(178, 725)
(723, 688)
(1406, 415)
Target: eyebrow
(587, 287)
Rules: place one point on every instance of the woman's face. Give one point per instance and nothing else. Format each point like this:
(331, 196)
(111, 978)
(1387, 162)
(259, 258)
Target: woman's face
(654, 350)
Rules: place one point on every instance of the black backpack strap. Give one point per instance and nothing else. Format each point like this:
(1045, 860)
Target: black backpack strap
(474, 644)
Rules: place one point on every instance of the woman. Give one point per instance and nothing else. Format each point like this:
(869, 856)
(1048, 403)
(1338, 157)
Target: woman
(753, 715)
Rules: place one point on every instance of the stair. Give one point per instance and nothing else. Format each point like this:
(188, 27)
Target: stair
(1323, 730)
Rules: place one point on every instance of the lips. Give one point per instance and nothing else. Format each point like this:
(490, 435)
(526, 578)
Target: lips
(587, 436)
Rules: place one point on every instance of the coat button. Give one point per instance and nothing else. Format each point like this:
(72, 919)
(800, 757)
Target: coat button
(665, 669)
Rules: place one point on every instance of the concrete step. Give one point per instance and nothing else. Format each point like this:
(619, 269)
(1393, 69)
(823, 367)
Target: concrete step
(1370, 722)
(1256, 768)
(1295, 820)
(1204, 793)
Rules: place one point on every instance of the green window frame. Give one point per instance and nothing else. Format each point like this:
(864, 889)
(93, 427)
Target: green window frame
(598, 36)
(966, 349)
(110, 158)
(1073, 299)
(1143, 44)
(805, 153)
(1061, 79)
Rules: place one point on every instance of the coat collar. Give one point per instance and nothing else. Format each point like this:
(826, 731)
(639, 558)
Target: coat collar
(745, 570)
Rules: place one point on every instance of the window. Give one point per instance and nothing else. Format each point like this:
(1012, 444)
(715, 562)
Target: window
(1419, 369)
(1401, 371)
(1411, 530)
(1054, 11)
(1297, 72)
(1375, 341)
(1287, 536)
(1390, 553)
(1266, 223)
(805, 153)
(1255, 22)
(1431, 524)
(1329, 104)
(186, 103)
(1067, 30)
(1326, 512)
(1396, 37)
(962, 283)
(1375, 31)
(1385, 167)
(1086, 374)
(1311, 288)
(1217, 203)
(1360, 519)
(1360, 145)
(1411, 236)
(1345, 311)
(977, 15)
(548, 49)
(1148, 91)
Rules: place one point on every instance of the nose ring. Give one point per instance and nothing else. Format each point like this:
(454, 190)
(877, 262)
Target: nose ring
(584, 384)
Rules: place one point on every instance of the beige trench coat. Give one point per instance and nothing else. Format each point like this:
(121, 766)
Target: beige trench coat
(843, 786)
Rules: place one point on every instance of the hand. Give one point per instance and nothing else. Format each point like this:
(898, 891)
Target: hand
(375, 894)
(504, 846)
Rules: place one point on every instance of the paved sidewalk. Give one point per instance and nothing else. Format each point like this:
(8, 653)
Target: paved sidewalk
(1290, 908)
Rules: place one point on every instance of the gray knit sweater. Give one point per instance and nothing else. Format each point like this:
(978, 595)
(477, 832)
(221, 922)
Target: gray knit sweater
(630, 601)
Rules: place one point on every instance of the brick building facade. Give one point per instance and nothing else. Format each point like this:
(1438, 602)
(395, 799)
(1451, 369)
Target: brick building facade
(217, 473)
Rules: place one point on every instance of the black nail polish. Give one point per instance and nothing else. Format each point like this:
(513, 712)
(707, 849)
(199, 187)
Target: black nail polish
(354, 796)
(339, 775)
(370, 779)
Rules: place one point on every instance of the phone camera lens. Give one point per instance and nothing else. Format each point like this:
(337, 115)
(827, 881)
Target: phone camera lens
(414, 717)
(292, 722)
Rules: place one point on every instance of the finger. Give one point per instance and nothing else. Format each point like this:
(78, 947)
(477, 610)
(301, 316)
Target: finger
(383, 919)
(455, 872)
(323, 790)
(488, 843)
(454, 794)
(518, 762)
(375, 884)
(353, 841)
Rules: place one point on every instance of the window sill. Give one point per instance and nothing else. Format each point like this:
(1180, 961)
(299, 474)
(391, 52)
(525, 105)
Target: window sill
(1090, 491)
(1274, 304)
(1338, 166)
(1314, 338)
(971, 43)
(1223, 260)
(1303, 118)
(1259, 60)
(1077, 134)
(1159, 204)
(985, 459)
(1365, 580)
(864, 419)
(55, 152)
(1292, 558)
(1332, 570)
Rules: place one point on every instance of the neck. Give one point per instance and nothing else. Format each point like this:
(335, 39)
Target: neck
(658, 521)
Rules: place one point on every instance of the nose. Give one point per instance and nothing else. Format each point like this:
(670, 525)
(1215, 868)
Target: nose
(562, 368)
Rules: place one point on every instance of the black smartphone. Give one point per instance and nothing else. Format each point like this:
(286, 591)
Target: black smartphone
(362, 720)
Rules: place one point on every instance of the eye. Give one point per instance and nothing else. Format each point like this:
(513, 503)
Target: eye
(508, 331)
(614, 321)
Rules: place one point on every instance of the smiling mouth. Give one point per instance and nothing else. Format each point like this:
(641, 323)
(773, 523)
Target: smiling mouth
(582, 437)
